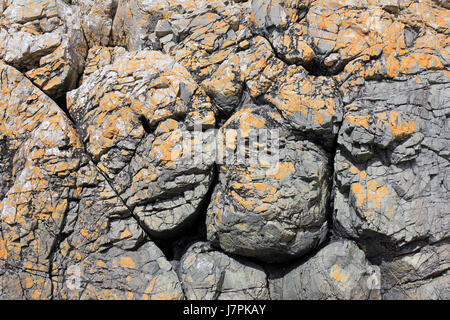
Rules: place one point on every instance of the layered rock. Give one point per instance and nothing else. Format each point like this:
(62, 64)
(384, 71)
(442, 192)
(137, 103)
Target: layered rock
(390, 174)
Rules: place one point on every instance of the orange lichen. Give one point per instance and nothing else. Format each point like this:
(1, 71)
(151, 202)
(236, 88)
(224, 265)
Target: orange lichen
(360, 193)
(359, 120)
(127, 262)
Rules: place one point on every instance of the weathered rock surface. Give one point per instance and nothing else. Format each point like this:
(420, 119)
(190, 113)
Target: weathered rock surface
(269, 211)
(208, 275)
(391, 178)
(419, 275)
(55, 192)
(126, 162)
(132, 114)
(44, 40)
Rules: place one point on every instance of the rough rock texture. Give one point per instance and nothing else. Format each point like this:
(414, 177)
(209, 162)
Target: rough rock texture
(45, 41)
(207, 274)
(131, 114)
(126, 162)
(338, 271)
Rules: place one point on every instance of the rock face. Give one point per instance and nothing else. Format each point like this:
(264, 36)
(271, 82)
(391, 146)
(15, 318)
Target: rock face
(222, 149)
(271, 213)
(132, 114)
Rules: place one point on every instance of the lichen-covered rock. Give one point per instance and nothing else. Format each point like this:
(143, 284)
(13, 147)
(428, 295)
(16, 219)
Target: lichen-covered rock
(50, 192)
(203, 39)
(270, 211)
(44, 40)
(311, 105)
(209, 275)
(392, 163)
(308, 137)
(42, 153)
(419, 275)
(389, 30)
(133, 115)
(97, 20)
(136, 21)
(338, 271)
(254, 69)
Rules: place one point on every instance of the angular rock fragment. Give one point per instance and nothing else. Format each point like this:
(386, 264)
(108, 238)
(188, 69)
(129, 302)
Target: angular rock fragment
(209, 275)
(339, 271)
(262, 209)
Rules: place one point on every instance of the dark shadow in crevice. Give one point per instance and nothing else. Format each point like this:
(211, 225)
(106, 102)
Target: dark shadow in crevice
(316, 68)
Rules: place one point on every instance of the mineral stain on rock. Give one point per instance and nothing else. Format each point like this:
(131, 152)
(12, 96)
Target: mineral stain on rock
(109, 190)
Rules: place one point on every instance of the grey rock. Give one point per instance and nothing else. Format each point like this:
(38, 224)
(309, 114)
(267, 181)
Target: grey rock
(390, 183)
(44, 39)
(276, 211)
(163, 28)
(208, 274)
(338, 271)
(131, 134)
(419, 275)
